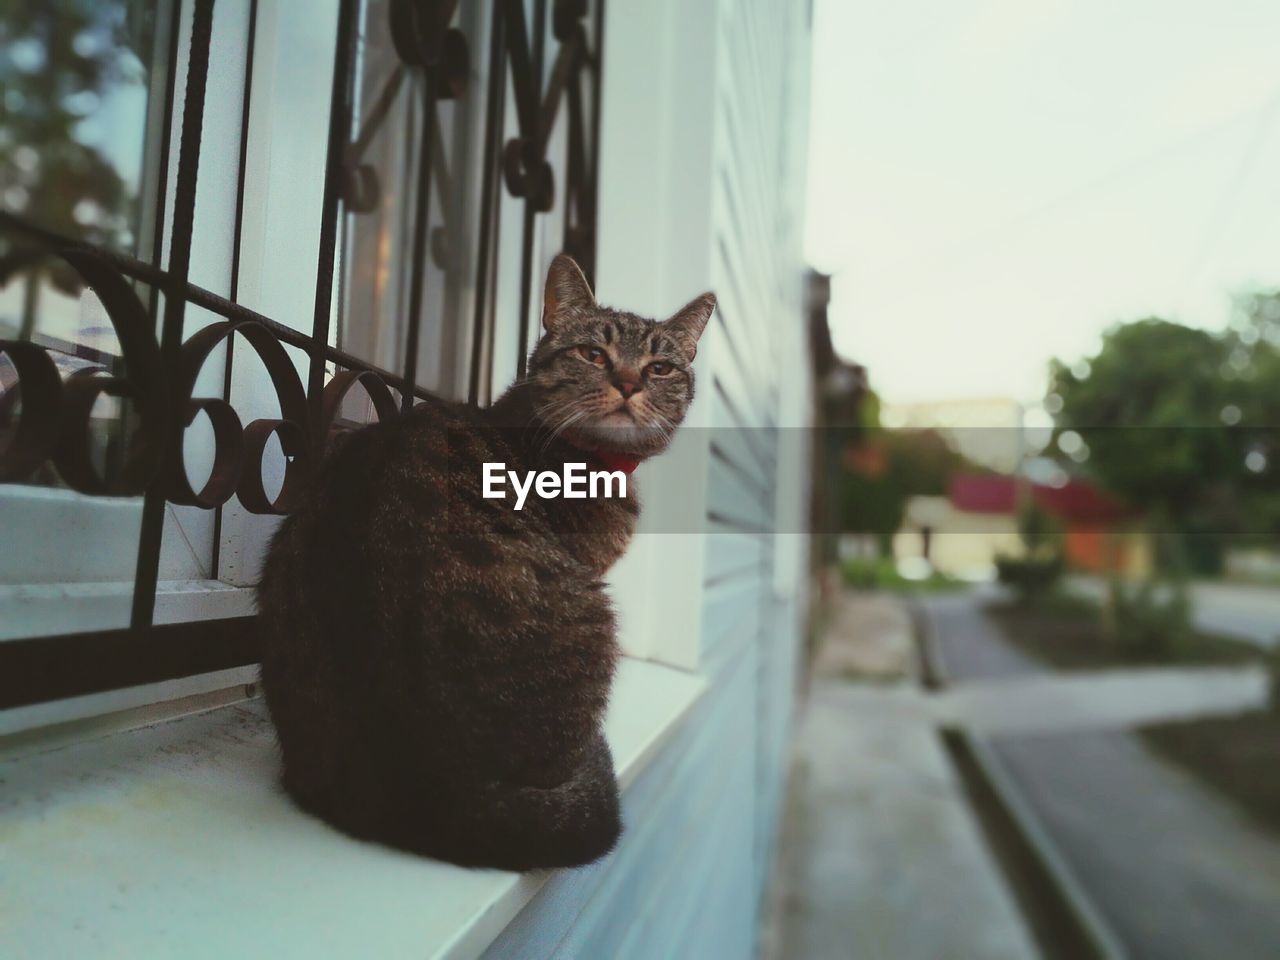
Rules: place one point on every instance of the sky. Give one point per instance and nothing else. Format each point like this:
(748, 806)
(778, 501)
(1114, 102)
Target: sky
(995, 182)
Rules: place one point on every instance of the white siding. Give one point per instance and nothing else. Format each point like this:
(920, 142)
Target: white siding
(701, 188)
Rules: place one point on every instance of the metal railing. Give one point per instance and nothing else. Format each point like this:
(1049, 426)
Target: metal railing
(45, 416)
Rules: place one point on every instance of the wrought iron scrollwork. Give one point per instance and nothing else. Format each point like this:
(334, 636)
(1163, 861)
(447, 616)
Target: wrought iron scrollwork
(54, 422)
(423, 38)
(47, 400)
(36, 432)
(424, 41)
(238, 453)
(524, 158)
(48, 418)
(55, 419)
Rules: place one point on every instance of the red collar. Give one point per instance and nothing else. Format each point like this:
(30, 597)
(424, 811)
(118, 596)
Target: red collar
(617, 461)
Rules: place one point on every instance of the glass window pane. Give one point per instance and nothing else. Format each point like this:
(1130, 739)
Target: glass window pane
(79, 138)
(385, 173)
(77, 78)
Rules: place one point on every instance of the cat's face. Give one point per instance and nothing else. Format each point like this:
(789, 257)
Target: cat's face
(609, 380)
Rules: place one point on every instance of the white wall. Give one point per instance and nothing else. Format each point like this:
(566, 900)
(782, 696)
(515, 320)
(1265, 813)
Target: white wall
(701, 184)
(703, 127)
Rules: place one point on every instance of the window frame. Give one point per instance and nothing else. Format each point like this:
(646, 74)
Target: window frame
(533, 89)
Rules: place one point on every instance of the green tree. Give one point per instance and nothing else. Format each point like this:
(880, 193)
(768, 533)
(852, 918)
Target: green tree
(1149, 407)
(1157, 409)
(1255, 369)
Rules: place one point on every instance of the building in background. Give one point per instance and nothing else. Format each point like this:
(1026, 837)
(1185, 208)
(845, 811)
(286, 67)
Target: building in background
(987, 430)
(978, 522)
(363, 195)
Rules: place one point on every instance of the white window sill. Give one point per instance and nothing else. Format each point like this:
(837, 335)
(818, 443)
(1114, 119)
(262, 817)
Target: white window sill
(176, 840)
(50, 609)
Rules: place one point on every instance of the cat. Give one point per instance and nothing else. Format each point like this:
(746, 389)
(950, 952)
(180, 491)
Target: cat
(436, 664)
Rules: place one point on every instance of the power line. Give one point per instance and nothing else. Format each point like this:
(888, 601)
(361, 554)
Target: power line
(974, 246)
(1233, 189)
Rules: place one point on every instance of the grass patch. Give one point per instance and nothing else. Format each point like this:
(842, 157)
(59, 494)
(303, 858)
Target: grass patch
(1237, 756)
(1067, 631)
(881, 573)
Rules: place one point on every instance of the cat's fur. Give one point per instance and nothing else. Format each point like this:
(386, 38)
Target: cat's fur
(437, 665)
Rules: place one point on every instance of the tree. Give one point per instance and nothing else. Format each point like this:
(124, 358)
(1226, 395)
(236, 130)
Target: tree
(1169, 417)
(1142, 406)
(61, 66)
(63, 61)
(1255, 367)
(888, 467)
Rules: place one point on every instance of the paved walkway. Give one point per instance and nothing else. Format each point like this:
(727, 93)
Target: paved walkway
(1107, 700)
(996, 688)
(880, 854)
(1176, 870)
(1053, 703)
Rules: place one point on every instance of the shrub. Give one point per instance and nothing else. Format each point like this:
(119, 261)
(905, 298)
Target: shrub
(1031, 576)
(867, 573)
(882, 573)
(1149, 621)
(1035, 572)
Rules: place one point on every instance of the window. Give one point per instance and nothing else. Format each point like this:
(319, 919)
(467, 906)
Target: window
(80, 140)
(243, 225)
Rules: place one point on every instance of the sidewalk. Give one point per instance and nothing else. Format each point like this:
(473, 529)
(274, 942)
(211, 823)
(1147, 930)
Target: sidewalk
(1101, 700)
(1176, 870)
(880, 855)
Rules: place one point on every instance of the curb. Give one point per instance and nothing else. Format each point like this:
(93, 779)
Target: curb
(1062, 917)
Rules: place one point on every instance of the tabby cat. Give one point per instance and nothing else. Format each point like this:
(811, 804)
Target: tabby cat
(436, 663)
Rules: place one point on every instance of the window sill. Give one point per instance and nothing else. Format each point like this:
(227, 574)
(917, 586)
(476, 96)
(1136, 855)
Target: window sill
(175, 839)
(50, 609)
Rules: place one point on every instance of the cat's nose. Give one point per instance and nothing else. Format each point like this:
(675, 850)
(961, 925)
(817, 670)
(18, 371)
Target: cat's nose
(627, 388)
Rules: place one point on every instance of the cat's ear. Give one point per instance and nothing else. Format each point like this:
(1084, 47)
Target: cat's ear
(567, 291)
(689, 322)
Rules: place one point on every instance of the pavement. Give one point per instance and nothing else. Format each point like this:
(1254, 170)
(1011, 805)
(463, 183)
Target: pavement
(1173, 868)
(1249, 613)
(880, 854)
(1005, 691)
(1058, 703)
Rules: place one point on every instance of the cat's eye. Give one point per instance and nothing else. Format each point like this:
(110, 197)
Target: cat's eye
(660, 368)
(594, 355)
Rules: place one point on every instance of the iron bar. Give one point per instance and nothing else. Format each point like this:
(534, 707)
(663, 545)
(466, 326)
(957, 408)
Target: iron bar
(490, 208)
(530, 209)
(335, 167)
(184, 205)
(421, 225)
(158, 370)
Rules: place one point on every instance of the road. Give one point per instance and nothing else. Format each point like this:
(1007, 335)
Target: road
(1177, 871)
(1246, 612)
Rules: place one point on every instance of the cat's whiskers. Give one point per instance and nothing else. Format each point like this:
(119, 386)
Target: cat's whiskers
(554, 417)
(655, 419)
(564, 425)
(547, 415)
